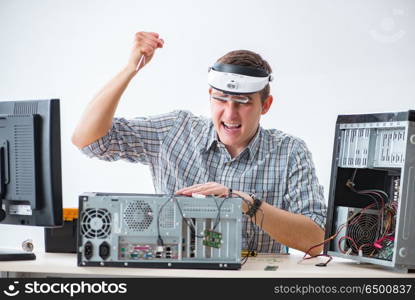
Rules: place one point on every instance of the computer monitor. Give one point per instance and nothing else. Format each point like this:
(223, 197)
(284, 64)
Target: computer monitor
(30, 166)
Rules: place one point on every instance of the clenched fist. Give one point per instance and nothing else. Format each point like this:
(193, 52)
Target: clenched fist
(145, 44)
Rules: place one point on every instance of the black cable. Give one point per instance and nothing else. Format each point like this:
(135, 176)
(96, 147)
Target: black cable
(217, 220)
(383, 198)
(252, 241)
(351, 184)
(191, 226)
(159, 239)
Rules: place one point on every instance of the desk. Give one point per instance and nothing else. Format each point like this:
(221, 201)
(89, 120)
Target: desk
(65, 265)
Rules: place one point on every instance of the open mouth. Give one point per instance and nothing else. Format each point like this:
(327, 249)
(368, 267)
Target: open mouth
(231, 126)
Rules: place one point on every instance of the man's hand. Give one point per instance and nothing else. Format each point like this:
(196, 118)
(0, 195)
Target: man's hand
(145, 43)
(209, 188)
(216, 189)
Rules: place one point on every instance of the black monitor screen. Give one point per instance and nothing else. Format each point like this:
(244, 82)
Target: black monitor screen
(30, 163)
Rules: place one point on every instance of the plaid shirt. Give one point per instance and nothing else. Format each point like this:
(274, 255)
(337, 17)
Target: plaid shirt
(182, 149)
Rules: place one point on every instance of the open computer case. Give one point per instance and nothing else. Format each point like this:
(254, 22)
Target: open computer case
(372, 190)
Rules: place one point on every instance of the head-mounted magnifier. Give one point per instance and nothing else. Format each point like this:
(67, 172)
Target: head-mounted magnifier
(237, 80)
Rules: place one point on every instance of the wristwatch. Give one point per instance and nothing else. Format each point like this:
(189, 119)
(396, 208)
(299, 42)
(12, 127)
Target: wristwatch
(255, 206)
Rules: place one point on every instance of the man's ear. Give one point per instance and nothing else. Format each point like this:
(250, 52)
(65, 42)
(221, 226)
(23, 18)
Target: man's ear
(266, 105)
(210, 91)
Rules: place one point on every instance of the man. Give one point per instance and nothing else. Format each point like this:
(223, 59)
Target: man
(229, 153)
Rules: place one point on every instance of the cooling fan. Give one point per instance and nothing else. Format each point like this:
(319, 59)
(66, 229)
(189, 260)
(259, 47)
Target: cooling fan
(96, 223)
(363, 230)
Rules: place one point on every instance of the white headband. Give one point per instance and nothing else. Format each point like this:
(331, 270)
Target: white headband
(234, 79)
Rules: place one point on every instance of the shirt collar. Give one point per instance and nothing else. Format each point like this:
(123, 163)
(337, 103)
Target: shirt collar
(253, 145)
(213, 138)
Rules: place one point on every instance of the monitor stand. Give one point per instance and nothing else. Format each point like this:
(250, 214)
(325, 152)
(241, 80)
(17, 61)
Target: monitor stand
(12, 254)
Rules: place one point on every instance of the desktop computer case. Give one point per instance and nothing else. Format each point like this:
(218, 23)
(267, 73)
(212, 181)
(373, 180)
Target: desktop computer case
(373, 153)
(123, 230)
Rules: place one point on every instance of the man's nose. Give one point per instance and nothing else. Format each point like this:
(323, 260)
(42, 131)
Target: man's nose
(232, 108)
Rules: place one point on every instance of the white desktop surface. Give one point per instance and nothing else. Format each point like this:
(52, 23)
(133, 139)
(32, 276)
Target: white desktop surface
(288, 267)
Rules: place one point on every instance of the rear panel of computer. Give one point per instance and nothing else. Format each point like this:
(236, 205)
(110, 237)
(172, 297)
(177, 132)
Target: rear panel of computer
(138, 230)
(372, 190)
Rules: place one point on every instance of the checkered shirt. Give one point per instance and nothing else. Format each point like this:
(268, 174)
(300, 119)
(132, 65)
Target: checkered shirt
(182, 149)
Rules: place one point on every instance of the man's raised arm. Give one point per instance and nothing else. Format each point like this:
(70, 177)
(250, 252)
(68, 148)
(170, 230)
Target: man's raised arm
(96, 120)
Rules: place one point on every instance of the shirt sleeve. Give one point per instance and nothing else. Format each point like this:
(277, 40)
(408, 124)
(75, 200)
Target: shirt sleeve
(304, 195)
(135, 140)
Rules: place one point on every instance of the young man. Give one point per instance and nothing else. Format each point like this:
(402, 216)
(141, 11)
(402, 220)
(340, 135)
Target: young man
(273, 171)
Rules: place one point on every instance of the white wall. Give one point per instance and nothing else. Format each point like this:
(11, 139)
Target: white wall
(329, 57)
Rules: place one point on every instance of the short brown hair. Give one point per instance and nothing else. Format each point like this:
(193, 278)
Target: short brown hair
(249, 59)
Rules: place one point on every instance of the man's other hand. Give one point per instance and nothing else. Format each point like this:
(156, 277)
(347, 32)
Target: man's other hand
(209, 188)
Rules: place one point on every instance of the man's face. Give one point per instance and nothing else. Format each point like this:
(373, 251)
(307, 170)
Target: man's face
(236, 123)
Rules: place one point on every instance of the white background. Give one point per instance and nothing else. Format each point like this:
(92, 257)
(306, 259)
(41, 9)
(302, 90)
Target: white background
(329, 57)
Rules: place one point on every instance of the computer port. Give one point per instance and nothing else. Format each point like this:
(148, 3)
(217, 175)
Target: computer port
(88, 250)
(104, 250)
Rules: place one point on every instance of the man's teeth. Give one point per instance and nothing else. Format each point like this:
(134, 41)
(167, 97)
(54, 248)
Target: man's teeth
(231, 125)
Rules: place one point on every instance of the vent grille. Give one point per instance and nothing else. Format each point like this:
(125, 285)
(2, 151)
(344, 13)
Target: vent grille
(25, 108)
(206, 209)
(168, 216)
(96, 223)
(138, 215)
(24, 158)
